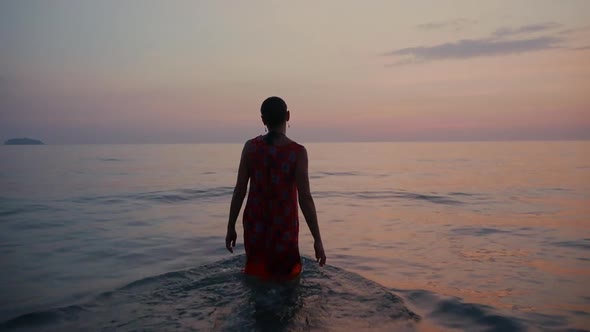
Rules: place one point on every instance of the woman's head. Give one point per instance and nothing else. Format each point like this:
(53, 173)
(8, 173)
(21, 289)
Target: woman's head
(274, 112)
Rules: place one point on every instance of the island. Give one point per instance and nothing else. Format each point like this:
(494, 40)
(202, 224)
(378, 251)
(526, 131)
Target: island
(23, 141)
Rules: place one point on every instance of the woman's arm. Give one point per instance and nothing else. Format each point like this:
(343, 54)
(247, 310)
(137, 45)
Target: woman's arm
(237, 200)
(307, 205)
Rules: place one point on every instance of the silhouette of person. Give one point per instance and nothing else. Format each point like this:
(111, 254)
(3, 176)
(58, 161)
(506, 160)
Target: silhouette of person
(277, 169)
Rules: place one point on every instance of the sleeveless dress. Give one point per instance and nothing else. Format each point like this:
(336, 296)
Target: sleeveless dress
(271, 223)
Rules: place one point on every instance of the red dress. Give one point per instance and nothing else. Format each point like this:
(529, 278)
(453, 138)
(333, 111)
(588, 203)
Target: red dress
(271, 223)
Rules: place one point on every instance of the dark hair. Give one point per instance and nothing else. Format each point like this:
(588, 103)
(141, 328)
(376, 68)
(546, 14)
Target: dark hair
(274, 113)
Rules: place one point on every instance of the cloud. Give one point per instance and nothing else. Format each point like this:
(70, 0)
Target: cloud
(584, 48)
(506, 31)
(501, 42)
(574, 30)
(456, 24)
(469, 48)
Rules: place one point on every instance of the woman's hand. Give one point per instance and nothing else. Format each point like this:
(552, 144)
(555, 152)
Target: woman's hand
(230, 239)
(320, 256)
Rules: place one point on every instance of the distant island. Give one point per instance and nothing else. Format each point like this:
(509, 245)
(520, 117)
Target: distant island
(23, 141)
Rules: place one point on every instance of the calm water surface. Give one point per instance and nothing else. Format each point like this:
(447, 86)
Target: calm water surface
(419, 236)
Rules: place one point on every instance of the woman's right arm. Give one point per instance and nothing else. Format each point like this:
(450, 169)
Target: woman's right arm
(237, 199)
(307, 205)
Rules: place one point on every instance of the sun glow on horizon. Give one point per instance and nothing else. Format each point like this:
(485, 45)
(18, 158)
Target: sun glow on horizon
(153, 71)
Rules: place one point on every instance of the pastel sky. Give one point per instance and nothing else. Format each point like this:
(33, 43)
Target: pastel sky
(143, 71)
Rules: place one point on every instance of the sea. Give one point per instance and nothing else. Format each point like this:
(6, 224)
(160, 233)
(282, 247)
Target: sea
(445, 236)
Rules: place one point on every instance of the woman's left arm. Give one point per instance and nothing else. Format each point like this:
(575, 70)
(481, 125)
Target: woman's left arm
(237, 200)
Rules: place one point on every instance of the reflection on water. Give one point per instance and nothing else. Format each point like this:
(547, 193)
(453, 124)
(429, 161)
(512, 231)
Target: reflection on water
(498, 227)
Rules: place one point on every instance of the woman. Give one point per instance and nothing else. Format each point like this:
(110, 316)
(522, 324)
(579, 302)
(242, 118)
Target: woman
(277, 170)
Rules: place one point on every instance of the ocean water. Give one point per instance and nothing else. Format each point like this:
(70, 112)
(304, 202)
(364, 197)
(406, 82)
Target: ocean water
(490, 236)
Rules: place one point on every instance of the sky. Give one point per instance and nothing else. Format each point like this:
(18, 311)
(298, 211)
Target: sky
(175, 71)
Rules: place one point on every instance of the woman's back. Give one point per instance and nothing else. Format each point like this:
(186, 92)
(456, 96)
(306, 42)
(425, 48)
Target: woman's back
(271, 223)
(272, 168)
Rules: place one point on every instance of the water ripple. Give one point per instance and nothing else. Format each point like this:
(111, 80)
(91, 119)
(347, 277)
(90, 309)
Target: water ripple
(184, 195)
(478, 231)
(162, 196)
(22, 207)
(583, 244)
(321, 175)
(391, 194)
(453, 313)
(219, 297)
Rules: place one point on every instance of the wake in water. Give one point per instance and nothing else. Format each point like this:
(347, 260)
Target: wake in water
(219, 297)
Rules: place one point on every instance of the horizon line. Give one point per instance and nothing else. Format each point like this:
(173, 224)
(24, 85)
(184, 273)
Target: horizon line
(328, 141)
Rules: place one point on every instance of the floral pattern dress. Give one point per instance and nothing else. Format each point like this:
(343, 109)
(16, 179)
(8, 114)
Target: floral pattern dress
(271, 223)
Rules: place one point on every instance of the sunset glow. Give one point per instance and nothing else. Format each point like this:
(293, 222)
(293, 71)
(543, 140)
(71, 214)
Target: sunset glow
(192, 71)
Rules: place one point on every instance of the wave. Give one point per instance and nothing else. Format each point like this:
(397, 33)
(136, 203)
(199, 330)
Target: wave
(219, 297)
(478, 231)
(26, 208)
(583, 244)
(10, 206)
(161, 196)
(452, 312)
(447, 199)
(185, 195)
(321, 175)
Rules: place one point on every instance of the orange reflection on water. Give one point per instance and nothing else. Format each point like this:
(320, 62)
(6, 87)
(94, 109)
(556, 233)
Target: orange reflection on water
(559, 269)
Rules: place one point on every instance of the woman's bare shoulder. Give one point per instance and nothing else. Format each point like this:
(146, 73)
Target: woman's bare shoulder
(251, 142)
